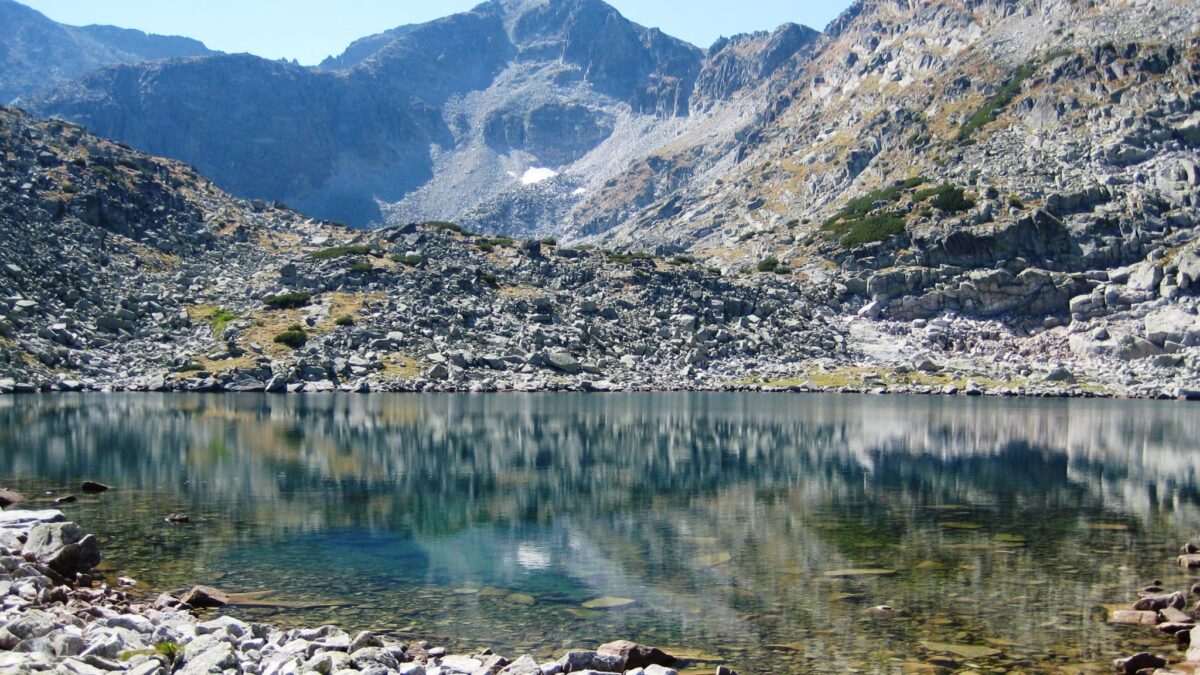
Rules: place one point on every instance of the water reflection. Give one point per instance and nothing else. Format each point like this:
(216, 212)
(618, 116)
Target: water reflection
(493, 519)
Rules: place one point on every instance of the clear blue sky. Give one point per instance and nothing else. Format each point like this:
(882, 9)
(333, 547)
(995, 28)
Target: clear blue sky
(310, 30)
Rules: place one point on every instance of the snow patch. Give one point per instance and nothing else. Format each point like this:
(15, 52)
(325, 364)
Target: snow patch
(537, 175)
(579, 192)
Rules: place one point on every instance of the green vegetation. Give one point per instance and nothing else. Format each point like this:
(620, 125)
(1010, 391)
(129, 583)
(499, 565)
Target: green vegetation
(768, 264)
(443, 225)
(626, 258)
(340, 252)
(946, 197)
(487, 244)
(413, 260)
(682, 260)
(288, 300)
(861, 222)
(490, 279)
(1016, 202)
(219, 319)
(873, 228)
(168, 649)
(791, 224)
(70, 188)
(190, 367)
(344, 321)
(361, 267)
(295, 336)
(549, 241)
(987, 113)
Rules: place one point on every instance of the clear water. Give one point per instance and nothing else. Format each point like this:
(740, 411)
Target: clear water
(491, 521)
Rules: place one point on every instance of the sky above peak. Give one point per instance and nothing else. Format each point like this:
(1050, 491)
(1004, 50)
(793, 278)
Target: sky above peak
(310, 30)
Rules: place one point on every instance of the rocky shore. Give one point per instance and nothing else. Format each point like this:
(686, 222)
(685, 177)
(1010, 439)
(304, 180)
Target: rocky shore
(58, 618)
(1171, 613)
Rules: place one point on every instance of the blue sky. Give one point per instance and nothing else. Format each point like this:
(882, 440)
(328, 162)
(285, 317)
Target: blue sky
(310, 30)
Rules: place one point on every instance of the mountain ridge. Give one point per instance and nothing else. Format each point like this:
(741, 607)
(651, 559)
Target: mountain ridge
(36, 51)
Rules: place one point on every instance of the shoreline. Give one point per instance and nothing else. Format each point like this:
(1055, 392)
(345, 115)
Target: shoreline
(57, 618)
(24, 389)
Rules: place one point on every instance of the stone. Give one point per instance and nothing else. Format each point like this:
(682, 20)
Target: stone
(562, 361)
(1134, 617)
(205, 596)
(8, 498)
(1157, 602)
(92, 487)
(33, 623)
(64, 547)
(526, 665)
(579, 660)
(207, 654)
(636, 655)
(1138, 662)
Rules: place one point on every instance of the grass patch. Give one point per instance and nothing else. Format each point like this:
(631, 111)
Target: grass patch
(288, 300)
(490, 279)
(340, 252)
(344, 321)
(295, 336)
(409, 260)
(682, 260)
(986, 114)
(549, 241)
(361, 267)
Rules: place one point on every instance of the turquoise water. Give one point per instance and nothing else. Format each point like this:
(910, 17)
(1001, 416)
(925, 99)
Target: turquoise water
(712, 520)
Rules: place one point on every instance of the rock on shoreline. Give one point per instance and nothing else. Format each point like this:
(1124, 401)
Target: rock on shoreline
(56, 618)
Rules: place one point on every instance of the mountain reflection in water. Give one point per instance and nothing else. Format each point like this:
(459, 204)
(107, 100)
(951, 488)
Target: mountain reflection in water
(490, 520)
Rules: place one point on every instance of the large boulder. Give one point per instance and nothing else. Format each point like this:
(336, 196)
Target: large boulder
(64, 547)
(8, 498)
(636, 655)
(205, 596)
(1172, 325)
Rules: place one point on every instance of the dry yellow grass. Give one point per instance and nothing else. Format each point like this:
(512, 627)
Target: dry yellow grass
(397, 366)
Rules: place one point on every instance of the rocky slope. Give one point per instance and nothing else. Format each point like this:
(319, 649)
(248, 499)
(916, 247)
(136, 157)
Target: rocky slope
(36, 52)
(503, 117)
(119, 270)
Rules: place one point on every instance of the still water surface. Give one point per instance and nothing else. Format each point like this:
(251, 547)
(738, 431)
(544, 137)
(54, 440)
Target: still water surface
(1003, 525)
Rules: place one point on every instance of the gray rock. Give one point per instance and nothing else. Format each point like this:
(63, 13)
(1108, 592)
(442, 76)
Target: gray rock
(64, 547)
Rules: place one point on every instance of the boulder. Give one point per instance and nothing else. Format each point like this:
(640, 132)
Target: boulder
(1172, 325)
(562, 361)
(636, 655)
(92, 487)
(1139, 662)
(207, 654)
(64, 547)
(8, 498)
(525, 665)
(205, 596)
(581, 660)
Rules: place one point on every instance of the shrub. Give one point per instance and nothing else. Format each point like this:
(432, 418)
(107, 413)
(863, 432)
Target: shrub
(626, 258)
(1016, 202)
(340, 252)
(946, 197)
(191, 367)
(783, 269)
(443, 225)
(295, 336)
(361, 267)
(288, 300)
(873, 228)
(768, 264)
(682, 260)
(859, 207)
(987, 112)
(549, 241)
(70, 188)
(487, 244)
(345, 320)
(490, 279)
(409, 260)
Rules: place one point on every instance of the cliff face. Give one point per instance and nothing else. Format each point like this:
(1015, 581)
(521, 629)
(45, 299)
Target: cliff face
(36, 52)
